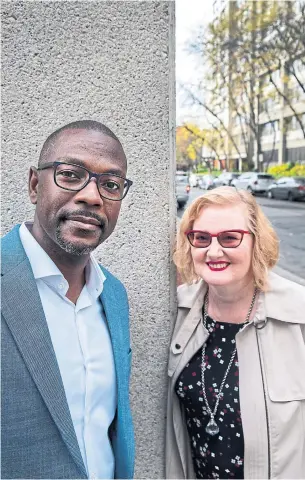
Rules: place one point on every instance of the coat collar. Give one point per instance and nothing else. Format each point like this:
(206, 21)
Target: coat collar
(284, 300)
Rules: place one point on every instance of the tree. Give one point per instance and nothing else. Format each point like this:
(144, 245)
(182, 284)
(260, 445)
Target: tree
(189, 144)
(243, 50)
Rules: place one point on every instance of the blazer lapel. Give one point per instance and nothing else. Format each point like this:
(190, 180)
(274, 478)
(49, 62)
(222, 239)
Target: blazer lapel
(23, 312)
(114, 310)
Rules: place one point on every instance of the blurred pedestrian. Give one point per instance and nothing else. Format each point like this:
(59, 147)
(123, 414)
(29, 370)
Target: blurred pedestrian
(236, 400)
(65, 331)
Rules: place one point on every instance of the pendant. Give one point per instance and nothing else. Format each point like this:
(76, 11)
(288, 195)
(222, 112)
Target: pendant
(212, 427)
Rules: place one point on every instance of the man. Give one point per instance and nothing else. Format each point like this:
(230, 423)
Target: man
(65, 333)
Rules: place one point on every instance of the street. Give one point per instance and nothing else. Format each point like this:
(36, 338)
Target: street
(288, 220)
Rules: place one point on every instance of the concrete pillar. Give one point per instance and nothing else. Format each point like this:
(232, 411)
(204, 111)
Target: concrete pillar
(112, 62)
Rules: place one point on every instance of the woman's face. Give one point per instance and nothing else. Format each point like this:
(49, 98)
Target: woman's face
(215, 264)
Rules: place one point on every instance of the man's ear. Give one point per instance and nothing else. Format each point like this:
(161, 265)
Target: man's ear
(33, 184)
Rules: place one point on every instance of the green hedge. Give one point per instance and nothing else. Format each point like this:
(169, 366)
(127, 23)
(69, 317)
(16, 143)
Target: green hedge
(287, 170)
(205, 171)
(284, 170)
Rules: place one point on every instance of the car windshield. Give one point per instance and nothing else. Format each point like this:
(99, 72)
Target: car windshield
(300, 181)
(181, 179)
(265, 177)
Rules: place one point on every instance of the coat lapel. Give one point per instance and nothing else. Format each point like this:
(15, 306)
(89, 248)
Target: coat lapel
(24, 315)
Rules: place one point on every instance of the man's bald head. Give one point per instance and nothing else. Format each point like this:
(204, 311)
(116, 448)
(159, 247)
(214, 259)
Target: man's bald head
(50, 142)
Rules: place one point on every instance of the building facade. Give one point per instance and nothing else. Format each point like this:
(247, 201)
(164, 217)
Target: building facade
(263, 112)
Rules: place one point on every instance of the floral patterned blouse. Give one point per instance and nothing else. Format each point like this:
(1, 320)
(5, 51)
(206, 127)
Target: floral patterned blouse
(222, 455)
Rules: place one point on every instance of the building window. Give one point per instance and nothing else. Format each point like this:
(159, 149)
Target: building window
(268, 104)
(292, 123)
(299, 67)
(276, 76)
(269, 128)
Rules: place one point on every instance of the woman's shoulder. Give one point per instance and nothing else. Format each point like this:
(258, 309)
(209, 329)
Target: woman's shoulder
(283, 286)
(285, 300)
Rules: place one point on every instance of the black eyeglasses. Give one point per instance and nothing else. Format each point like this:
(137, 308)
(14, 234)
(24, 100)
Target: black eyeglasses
(227, 239)
(74, 177)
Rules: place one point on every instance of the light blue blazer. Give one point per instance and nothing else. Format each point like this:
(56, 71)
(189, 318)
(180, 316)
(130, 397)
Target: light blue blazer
(38, 438)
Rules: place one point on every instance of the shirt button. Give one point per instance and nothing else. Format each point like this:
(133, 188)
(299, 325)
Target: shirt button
(61, 286)
(177, 346)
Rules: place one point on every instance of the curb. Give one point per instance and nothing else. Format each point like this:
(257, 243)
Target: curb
(288, 275)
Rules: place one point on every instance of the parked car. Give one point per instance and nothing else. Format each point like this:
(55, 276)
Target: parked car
(182, 189)
(253, 182)
(225, 178)
(193, 180)
(233, 182)
(205, 182)
(288, 188)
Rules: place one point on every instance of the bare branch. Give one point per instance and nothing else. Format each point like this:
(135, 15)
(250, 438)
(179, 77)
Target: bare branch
(205, 106)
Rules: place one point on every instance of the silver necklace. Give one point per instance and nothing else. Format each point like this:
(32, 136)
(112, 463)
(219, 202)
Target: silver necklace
(212, 427)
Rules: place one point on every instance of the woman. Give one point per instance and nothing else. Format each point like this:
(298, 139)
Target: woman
(236, 404)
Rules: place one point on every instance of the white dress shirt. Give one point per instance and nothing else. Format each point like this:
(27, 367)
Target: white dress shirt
(83, 349)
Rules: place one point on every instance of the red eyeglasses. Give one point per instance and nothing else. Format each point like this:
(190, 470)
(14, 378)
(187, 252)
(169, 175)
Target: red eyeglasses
(227, 239)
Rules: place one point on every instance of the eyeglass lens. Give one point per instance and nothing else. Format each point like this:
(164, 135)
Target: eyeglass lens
(226, 239)
(72, 177)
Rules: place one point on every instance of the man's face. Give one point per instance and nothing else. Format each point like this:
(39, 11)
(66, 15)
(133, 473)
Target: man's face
(76, 221)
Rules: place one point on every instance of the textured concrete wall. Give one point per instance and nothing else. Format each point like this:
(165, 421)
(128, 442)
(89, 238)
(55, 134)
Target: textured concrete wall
(113, 62)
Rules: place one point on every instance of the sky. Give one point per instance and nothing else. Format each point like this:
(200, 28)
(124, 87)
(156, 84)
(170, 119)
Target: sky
(190, 15)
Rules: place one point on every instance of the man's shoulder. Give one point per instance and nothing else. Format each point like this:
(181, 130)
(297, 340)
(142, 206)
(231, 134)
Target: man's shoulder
(111, 279)
(11, 239)
(12, 251)
(114, 295)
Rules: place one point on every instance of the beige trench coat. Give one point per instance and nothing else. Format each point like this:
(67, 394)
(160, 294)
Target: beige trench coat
(271, 355)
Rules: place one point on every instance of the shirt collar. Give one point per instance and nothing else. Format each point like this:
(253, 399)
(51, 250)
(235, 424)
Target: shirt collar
(44, 268)
(94, 278)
